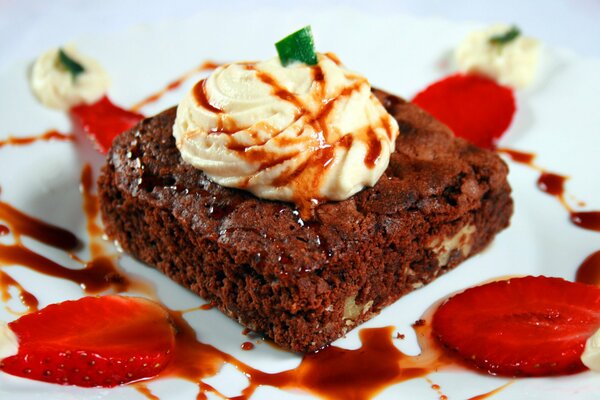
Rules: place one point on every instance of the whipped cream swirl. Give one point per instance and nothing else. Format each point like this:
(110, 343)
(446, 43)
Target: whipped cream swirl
(514, 63)
(55, 87)
(298, 133)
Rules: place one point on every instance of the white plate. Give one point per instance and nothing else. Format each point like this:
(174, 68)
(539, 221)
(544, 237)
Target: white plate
(557, 118)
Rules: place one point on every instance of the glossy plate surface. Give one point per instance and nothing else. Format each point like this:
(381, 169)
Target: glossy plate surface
(557, 118)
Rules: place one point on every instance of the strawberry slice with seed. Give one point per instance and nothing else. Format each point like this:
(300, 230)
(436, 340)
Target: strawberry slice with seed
(103, 121)
(474, 107)
(530, 326)
(95, 341)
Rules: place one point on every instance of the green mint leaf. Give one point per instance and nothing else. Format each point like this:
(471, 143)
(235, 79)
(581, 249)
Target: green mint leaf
(506, 37)
(299, 46)
(69, 64)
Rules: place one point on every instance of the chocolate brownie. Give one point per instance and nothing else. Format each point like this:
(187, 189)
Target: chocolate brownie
(305, 283)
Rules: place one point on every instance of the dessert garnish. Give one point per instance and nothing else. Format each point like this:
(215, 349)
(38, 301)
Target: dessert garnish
(71, 65)
(8, 342)
(530, 326)
(67, 80)
(554, 185)
(48, 136)
(331, 350)
(94, 341)
(103, 121)
(507, 37)
(591, 354)
(300, 133)
(297, 47)
(589, 270)
(62, 78)
(473, 106)
(501, 53)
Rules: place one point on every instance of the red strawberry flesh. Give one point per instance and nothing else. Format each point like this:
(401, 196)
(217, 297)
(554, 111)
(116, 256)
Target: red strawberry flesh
(475, 107)
(103, 121)
(94, 341)
(531, 326)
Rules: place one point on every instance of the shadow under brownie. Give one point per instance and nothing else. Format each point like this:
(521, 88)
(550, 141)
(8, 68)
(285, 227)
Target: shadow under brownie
(305, 283)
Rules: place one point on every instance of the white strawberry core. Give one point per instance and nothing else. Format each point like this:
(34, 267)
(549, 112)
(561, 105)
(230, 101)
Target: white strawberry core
(9, 344)
(591, 353)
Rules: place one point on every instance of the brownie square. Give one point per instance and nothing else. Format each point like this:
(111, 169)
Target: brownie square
(305, 283)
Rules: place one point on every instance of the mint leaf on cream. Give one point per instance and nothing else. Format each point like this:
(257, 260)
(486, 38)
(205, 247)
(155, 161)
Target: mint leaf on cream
(297, 47)
(74, 68)
(507, 37)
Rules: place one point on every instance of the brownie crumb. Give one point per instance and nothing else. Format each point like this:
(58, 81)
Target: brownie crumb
(302, 283)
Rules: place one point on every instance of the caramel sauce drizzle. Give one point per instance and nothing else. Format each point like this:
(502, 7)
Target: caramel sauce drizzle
(103, 263)
(247, 346)
(279, 90)
(373, 148)
(47, 136)
(493, 392)
(199, 91)
(332, 373)
(438, 389)
(554, 185)
(334, 58)
(97, 275)
(308, 175)
(91, 209)
(27, 298)
(589, 270)
(205, 66)
(23, 224)
(144, 390)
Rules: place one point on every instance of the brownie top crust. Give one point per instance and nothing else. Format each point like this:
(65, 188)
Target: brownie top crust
(432, 179)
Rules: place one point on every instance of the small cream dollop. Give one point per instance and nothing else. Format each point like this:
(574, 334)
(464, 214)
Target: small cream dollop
(591, 354)
(298, 133)
(55, 86)
(513, 64)
(9, 344)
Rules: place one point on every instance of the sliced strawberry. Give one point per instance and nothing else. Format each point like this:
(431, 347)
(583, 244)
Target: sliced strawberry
(474, 107)
(94, 341)
(103, 121)
(531, 326)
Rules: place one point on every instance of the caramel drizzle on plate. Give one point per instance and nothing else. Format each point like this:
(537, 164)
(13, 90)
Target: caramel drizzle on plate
(554, 185)
(375, 365)
(331, 373)
(96, 275)
(205, 66)
(47, 136)
(30, 302)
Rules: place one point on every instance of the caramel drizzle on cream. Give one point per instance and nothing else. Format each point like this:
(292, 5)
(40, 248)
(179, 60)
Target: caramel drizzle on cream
(202, 99)
(308, 176)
